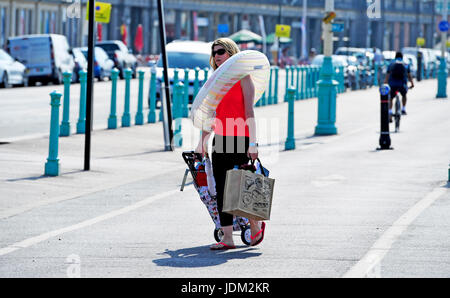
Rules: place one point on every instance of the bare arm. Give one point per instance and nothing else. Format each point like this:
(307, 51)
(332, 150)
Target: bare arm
(202, 146)
(248, 90)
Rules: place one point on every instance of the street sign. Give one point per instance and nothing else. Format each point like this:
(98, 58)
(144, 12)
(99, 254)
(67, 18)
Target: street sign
(102, 12)
(337, 27)
(223, 28)
(420, 41)
(443, 26)
(282, 30)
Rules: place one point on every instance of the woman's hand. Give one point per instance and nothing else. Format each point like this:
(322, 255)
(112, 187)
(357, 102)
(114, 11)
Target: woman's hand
(252, 152)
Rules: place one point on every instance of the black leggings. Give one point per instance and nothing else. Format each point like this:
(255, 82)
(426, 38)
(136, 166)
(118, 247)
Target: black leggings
(227, 152)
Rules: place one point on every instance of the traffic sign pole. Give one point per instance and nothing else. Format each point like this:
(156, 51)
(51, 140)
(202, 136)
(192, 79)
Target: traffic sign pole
(326, 118)
(442, 74)
(90, 87)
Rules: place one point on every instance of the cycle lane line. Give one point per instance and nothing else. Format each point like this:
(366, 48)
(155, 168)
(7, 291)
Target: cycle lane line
(42, 237)
(384, 244)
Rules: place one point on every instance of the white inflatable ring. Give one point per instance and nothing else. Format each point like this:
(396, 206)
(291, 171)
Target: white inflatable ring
(244, 63)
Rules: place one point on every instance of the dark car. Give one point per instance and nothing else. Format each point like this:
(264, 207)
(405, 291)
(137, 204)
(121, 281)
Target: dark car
(119, 53)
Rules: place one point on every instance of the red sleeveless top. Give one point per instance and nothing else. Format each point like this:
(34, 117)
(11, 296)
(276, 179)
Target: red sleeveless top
(230, 114)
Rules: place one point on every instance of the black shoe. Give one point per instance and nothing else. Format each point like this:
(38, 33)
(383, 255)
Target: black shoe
(390, 118)
(404, 112)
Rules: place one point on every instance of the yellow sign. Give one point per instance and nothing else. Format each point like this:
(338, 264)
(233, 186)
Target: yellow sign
(420, 41)
(102, 12)
(447, 44)
(283, 31)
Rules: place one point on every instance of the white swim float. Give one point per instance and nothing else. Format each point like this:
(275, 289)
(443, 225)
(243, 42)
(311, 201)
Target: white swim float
(244, 63)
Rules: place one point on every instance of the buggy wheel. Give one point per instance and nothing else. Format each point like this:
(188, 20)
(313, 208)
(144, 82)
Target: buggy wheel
(246, 235)
(218, 235)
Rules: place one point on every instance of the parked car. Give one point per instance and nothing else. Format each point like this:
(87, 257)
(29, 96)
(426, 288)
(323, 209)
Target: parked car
(362, 54)
(120, 54)
(182, 55)
(11, 72)
(348, 62)
(46, 56)
(102, 64)
(80, 63)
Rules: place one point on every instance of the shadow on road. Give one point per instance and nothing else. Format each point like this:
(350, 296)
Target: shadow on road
(42, 176)
(202, 256)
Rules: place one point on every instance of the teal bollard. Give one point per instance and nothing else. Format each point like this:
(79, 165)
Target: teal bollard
(292, 75)
(442, 79)
(185, 105)
(287, 68)
(126, 118)
(65, 124)
(268, 100)
(302, 82)
(205, 70)
(297, 81)
(161, 114)
(275, 92)
(290, 140)
(178, 114)
(52, 164)
(152, 97)
(81, 123)
(112, 119)
(327, 100)
(139, 118)
(176, 72)
(196, 81)
(308, 82)
(316, 78)
(375, 74)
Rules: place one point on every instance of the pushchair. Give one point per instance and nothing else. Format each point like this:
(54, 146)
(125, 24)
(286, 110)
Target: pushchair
(203, 180)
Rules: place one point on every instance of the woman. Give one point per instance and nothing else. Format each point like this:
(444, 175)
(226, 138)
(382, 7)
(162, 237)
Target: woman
(234, 142)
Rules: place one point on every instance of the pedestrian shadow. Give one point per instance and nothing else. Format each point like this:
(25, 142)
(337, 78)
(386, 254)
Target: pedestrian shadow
(202, 256)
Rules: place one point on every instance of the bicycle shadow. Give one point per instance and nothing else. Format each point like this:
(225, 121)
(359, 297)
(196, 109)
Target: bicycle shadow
(202, 256)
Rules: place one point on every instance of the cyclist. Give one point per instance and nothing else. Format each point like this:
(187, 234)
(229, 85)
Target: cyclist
(398, 75)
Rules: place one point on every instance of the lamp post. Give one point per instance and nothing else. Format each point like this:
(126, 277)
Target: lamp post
(442, 74)
(327, 86)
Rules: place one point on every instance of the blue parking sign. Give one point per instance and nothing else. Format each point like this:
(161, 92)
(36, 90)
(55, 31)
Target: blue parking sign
(223, 28)
(443, 26)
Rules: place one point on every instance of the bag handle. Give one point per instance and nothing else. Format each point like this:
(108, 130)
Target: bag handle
(260, 165)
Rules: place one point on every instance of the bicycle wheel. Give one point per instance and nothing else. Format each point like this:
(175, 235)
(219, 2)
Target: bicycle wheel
(398, 114)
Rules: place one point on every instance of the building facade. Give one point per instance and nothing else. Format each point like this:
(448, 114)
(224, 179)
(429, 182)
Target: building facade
(385, 24)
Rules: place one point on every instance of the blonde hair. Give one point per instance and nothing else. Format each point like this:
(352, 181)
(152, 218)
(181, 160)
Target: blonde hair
(228, 44)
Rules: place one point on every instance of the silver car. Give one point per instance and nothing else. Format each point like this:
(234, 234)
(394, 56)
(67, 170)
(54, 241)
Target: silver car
(11, 72)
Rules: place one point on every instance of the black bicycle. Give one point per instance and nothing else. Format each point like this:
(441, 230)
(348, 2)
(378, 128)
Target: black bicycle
(398, 111)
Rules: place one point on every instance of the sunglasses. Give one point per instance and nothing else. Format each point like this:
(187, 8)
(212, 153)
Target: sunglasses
(219, 51)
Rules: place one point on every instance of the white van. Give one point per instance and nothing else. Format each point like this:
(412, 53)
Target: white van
(46, 56)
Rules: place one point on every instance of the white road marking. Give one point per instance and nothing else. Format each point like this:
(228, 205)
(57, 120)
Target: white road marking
(37, 239)
(378, 251)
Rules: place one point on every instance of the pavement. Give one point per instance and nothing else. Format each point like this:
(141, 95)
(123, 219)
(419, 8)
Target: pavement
(340, 207)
